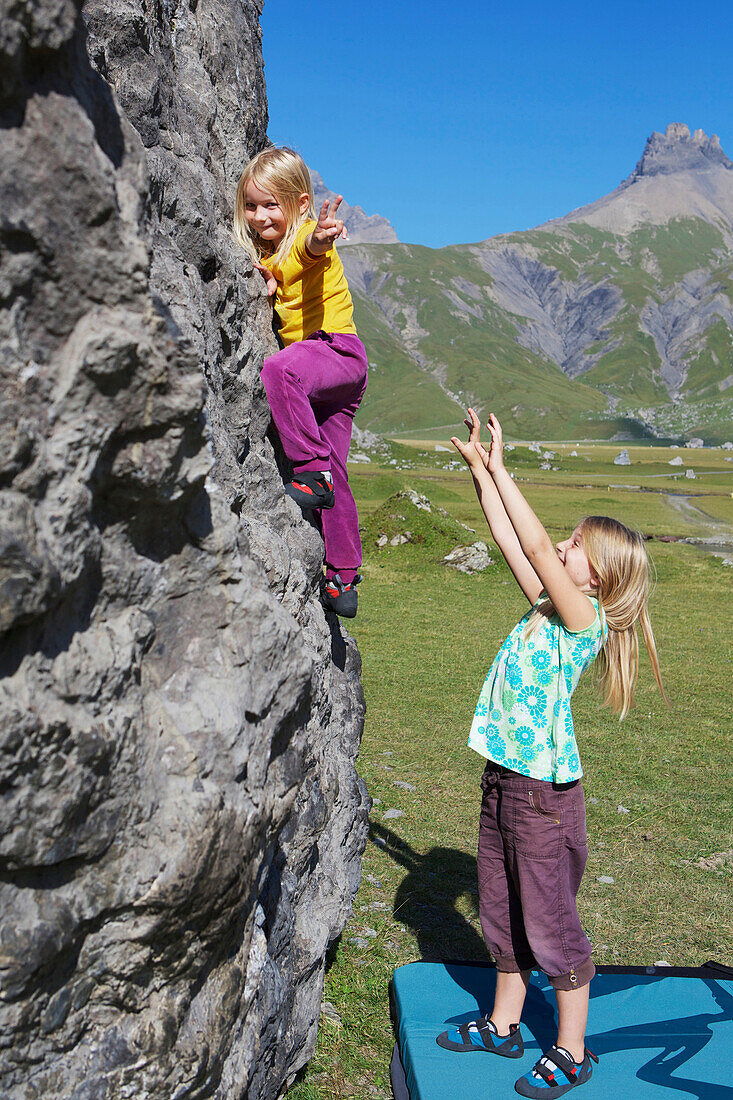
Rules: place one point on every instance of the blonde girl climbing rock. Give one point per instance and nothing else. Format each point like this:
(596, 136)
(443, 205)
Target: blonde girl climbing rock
(315, 384)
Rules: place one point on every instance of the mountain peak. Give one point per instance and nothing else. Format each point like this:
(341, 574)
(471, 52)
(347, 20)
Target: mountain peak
(677, 150)
(362, 228)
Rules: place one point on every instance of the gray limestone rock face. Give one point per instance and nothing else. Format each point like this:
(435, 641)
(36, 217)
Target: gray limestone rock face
(179, 722)
(676, 323)
(561, 318)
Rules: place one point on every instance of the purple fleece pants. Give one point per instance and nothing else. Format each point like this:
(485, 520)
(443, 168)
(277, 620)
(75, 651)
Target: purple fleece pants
(314, 388)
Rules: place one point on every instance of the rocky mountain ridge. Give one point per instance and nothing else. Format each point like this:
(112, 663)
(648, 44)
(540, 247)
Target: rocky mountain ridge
(615, 318)
(363, 228)
(677, 148)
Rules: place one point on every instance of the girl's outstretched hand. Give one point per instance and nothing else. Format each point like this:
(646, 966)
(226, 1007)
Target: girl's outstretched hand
(270, 280)
(473, 451)
(329, 227)
(496, 451)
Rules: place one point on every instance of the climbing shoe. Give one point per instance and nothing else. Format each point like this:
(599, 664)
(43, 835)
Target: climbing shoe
(481, 1034)
(311, 490)
(555, 1074)
(339, 597)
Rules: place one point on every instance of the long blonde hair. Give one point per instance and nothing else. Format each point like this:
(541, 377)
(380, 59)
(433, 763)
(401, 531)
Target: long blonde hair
(619, 559)
(283, 173)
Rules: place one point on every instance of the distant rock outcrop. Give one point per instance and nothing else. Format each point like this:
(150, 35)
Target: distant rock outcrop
(676, 150)
(363, 228)
(469, 559)
(679, 175)
(182, 820)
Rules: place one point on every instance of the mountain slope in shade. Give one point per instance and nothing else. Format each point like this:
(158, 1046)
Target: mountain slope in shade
(615, 319)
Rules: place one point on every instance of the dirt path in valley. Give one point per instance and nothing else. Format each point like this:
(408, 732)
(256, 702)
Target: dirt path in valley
(718, 541)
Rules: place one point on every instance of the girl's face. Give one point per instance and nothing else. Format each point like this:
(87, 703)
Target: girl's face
(573, 557)
(265, 215)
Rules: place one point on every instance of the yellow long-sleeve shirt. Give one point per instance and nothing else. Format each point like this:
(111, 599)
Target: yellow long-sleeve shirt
(312, 292)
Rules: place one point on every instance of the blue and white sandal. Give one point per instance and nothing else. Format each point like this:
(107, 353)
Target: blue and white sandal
(555, 1074)
(481, 1035)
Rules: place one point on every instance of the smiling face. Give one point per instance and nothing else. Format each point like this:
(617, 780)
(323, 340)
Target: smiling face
(265, 215)
(575, 560)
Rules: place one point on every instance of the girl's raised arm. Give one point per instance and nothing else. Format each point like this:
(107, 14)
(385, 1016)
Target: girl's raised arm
(571, 604)
(476, 458)
(328, 228)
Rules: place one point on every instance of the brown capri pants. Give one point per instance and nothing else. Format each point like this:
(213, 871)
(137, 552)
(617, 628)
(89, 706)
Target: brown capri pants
(532, 852)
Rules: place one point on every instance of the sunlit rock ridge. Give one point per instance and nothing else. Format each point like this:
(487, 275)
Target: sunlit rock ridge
(679, 175)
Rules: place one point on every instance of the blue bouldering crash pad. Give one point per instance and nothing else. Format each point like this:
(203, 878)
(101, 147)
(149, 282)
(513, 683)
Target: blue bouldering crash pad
(660, 1032)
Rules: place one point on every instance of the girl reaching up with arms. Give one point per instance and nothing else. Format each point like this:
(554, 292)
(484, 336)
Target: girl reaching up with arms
(587, 594)
(315, 384)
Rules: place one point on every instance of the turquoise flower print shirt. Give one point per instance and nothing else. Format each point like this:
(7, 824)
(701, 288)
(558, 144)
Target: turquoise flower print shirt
(523, 719)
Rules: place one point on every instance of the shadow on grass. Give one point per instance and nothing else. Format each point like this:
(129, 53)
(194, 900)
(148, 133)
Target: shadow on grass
(426, 899)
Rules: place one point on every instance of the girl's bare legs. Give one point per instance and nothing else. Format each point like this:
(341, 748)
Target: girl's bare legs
(511, 989)
(572, 1013)
(572, 1010)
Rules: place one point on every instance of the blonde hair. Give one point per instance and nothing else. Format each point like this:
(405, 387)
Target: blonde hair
(618, 557)
(283, 173)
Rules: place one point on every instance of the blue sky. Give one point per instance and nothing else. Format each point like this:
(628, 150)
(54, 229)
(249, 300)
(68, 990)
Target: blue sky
(458, 122)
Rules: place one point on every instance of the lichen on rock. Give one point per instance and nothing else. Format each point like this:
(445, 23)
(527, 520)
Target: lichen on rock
(179, 722)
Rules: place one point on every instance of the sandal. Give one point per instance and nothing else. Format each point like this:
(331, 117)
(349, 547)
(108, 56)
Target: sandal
(555, 1073)
(481, 1034)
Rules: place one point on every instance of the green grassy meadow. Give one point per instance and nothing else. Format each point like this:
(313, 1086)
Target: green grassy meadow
(658, 786)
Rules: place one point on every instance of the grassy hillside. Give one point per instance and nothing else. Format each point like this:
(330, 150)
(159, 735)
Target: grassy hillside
(401, 396)
(567, 330)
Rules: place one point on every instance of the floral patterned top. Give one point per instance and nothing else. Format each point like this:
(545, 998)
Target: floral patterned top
(523, 719)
